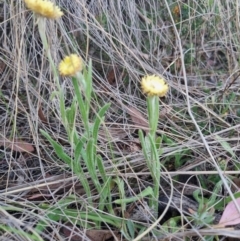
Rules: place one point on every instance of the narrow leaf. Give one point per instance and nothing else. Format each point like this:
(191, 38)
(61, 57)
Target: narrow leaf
(58, 149)
(97, 123)
(144, 146)
(225, 145)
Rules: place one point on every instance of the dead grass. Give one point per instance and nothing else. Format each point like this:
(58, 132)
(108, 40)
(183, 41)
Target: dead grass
(194, 44)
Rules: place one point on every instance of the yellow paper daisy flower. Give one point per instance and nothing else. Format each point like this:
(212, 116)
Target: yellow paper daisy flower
(70, 65)
(154, 85)
(44, 8)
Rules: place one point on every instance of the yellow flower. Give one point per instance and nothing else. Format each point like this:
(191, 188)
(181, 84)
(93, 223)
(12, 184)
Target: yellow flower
(44, 8)
(70, 65)
(154, 85)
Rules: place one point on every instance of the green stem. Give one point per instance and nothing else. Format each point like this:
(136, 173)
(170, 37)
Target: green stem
(153, 113)
(42, 31)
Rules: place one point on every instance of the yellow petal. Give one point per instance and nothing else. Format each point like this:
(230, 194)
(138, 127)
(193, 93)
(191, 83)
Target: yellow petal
(154, 85)
(44, 8)
(70, 65)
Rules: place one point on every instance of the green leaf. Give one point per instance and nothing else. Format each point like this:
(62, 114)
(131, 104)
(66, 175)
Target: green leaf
(91, 164)
(78, 154)
(58, 149)
(168, 141)
(22, 235)
(158, 142)
(71, 114)
(215, 193)
(53, 94)
(153, 113)
(82, 106)
(146, 192)
(106, 195)
(225, 145)
(70, 126)
(121, 190)
(131, 228)
(220, 205)
(200, 200)
(106, 186)
(77, 217)
(154, 152)
(97, 123)
(101, 169)
(144, 146)
(78, 151)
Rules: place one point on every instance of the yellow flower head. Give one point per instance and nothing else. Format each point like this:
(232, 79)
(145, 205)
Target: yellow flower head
(70, 65)
(44, 8)
(154, 85)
